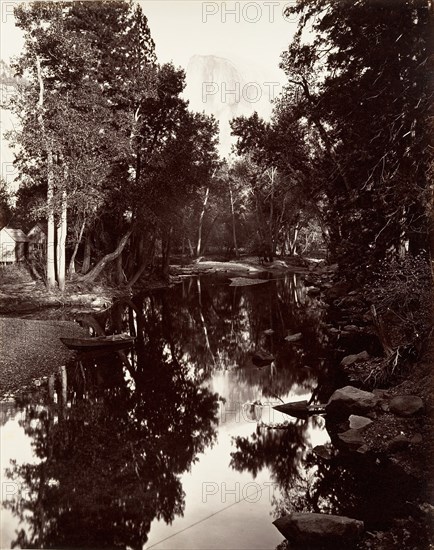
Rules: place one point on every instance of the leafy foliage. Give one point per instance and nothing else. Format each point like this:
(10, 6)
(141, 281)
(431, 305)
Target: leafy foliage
(403, 294)
(361, 85)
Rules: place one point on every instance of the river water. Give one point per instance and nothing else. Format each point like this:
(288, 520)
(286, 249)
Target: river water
(176, 444)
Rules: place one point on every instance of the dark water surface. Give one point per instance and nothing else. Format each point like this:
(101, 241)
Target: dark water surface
(175, 444)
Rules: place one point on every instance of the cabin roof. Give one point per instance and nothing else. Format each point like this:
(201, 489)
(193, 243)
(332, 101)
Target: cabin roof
(17, 235)
(37, 233)
(39, 225)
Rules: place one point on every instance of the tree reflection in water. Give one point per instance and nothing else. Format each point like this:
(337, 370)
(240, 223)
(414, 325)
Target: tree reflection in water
(114, 433)
(210, 325)
(111, 453)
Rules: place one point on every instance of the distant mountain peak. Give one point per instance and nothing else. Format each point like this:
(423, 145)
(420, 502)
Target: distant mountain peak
(218, 86)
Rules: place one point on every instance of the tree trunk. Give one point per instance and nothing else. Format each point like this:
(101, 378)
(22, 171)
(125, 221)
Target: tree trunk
(51, 267)
(381, 333)
(166, 245)
(62, 228)
(71, 267)
(202, 214)
(207, 236)
(271, 242)
(120, 275)
(293, 244)
(86, 256)
(190, 247)
(145, 263)
(324, 136)
(93, 274)
(51, 228)
(234, 232)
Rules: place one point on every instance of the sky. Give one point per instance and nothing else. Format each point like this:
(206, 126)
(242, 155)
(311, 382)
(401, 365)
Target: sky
(254, 33)
(251, 35)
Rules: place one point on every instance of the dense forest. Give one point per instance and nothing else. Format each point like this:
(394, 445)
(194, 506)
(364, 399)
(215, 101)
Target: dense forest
(124, 175)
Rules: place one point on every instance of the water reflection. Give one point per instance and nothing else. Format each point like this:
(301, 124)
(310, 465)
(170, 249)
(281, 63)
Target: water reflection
(109, 456)
(115, 437)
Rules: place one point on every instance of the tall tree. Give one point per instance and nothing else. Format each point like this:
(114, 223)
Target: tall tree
(362, 85)
(88, 66)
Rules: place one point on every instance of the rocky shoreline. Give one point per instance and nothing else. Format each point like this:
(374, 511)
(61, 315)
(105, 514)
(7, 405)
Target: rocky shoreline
(382, 417)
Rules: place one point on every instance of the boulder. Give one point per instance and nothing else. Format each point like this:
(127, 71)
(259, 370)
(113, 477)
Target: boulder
(323, 451)
(338, 291)
(262, 358)
(294, 337)
(316, 530)
(356, 358)
(351, 328)
(416, 439)
(406, 405)
(313, 290)
(398, 443)
(350, 400)
(353, 439)
(358, 422)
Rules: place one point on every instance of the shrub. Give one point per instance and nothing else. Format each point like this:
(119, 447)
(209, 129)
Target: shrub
(402, 294)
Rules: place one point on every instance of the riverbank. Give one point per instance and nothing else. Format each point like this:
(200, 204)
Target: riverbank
(385, 404)
(22, 295)
(31, 350)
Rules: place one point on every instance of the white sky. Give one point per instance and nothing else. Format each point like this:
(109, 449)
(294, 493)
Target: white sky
(252, 31)
(251, 34)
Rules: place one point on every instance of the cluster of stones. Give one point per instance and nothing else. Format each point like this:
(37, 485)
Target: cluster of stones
(359, 408)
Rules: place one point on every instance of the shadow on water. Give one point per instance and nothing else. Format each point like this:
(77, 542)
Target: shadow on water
(113, 434)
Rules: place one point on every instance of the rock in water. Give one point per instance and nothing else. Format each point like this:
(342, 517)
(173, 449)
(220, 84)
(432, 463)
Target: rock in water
(323, 452)
(294, 337)
(262, 358)
(245, 281)
(296, 408)
(313, 530)
(351, 400)
(406, 405)
(356, 358)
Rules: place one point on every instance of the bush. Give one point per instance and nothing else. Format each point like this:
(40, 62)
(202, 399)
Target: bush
(402, 295)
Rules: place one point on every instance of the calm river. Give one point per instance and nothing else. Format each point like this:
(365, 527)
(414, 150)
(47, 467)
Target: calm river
(174, 444)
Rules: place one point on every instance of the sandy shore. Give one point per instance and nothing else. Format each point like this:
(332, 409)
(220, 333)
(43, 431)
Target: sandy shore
(31, 349)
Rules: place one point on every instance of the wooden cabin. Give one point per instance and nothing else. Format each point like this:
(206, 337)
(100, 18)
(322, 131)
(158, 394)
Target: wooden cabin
(13, 245)
(37, 239)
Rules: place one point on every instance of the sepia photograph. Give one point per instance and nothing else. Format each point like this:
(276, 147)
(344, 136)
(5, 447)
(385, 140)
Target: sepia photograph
(216, 274)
